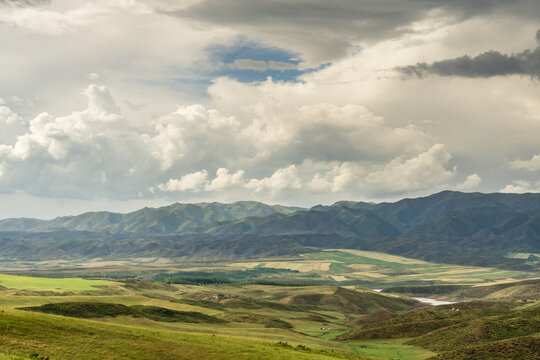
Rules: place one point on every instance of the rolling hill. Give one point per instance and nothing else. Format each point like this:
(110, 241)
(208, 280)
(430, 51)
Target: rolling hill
(474, 330)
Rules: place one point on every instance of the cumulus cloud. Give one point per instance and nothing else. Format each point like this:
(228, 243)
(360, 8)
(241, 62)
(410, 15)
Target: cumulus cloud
(89, 151)
(421, 172)
(281, 179)
(341, 177)
(194, 182)
(285, 123)
(58, 136)
(470, 182)
(7, 116)
(225, 180)
(194, 134)
(520, 187)
(488, 64)
(426, 170)
(531, 165)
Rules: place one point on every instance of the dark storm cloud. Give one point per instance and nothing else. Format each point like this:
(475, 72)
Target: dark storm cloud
(326, 30)
(489, 64)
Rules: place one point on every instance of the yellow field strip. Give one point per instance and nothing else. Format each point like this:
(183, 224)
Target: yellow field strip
(381, 256)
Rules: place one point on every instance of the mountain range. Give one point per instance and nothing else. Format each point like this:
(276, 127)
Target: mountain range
(467, 228)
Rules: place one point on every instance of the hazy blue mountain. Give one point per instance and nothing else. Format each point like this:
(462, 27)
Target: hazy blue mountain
(21, 224)
(169, 219)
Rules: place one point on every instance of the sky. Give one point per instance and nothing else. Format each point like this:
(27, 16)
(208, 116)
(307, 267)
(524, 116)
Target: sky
(120, 104)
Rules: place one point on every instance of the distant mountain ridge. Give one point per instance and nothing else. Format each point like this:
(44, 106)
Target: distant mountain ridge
(453, 227)
(175, 218)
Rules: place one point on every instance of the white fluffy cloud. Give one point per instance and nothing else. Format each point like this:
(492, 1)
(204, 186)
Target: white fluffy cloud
(290, 121)
(225, 180)
(198, 181)
(470, 182)
(531, 165)
(426, 170)
(520, 187)
(193, 134)
(194, 182)
(282, 179)
(87, 152)
(7, 116)
(340, 177)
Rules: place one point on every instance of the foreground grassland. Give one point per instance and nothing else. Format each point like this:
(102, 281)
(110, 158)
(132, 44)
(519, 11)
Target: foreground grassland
(67, 338)
(132, 319)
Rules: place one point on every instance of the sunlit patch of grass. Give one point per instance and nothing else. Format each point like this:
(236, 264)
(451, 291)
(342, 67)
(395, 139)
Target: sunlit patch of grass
(41, 283)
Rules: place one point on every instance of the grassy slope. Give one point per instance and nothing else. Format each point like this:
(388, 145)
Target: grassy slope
(513, 349)
(256, 312)
(479, 330)
(25, 333)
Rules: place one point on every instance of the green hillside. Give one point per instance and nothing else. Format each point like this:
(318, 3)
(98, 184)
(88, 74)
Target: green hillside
(461, 331)
(40, 336)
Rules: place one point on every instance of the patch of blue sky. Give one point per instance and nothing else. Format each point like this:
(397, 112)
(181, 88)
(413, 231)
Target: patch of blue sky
(248, 61)
(244, 61)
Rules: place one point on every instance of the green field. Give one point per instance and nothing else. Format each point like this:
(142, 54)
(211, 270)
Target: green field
(40, 283)
(390, 349)
(335, 266)
(374, 269)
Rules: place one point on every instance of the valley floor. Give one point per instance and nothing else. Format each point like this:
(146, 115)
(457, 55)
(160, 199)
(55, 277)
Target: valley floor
(307, 307)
